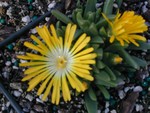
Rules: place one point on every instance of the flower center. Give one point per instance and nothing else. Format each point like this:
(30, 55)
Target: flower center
(61, 62)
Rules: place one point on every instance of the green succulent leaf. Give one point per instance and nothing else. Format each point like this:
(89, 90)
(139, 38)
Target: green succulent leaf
(115, 47)
(98, 14)
(90, 7)
(77, 33)
(92, 30)
(96, 70)
(60, 16)
(110, 72)
(92, 94)
(90, 104)
(108, 6)
(95, 46)
(60, 32)
(143, 46)
(103, 75)
(100, 64)
(103, 32)
(97, 39)
(99, 52)
(139, 61)
(106, 83)
(91, 16)
(104, 92)
(128, 59)
(119, 2)
(84, 24)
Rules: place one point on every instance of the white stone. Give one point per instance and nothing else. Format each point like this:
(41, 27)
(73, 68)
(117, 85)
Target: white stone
(51, 5)
(41, 98)
(8, 63)
(47, 19)
(106, 110)
(113, 111)
(29, 97)
(107, 104)
(126, 89)
(13, 60)
(15, 67)
(33, 31)
(26, 19)
(17, 93)
(8, 104)
(23, 61)
(121, 94)
(99, 111)
(139, 107)
(144, 8)
(138, 89)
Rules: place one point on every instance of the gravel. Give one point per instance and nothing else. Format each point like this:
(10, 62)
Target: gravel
(14, 15)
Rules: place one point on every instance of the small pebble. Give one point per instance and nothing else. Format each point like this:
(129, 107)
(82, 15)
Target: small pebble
(17, 93)
(121, 94)
(113, 111)
(15, 85)
(106, 104)
(139, 107)
(47, 19)
(29, 97)
(26, 19)
(8, 104)
(33, 31)
(38, 108)
(126, 89)
(106, 110)
(25, 109)
(138, 89)
(8, 63)
(15, 67)
(99, 111)
(51, 5)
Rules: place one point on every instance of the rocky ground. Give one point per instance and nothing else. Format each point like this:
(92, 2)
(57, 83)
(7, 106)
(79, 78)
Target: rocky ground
(132, 95)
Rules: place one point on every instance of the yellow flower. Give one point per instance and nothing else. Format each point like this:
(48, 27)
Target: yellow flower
(125, 27)
(62, 63)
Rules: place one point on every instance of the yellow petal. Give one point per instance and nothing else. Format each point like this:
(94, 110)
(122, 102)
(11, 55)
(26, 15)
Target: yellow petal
(87, 57)
(79, 41)
(43, 86)
(29, 76)
(42, 45)
(85, 61)
(83, 66)
(32, 63)
(47, 90)
(36, 80)
(31, 46)
(82, 45)
(67, 33)
(86, 51)
(34, 69)
(72, 32)
(37, 57)
(65, 89)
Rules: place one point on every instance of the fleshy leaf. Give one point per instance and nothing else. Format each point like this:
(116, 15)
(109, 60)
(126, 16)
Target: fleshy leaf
(90, 104)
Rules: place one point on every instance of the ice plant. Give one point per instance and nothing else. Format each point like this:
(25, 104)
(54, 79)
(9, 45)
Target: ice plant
(62, 63)
(126, 26)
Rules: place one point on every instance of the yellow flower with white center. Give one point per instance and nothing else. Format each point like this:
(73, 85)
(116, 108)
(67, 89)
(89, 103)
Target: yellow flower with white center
(125, 27)
(63, 63)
